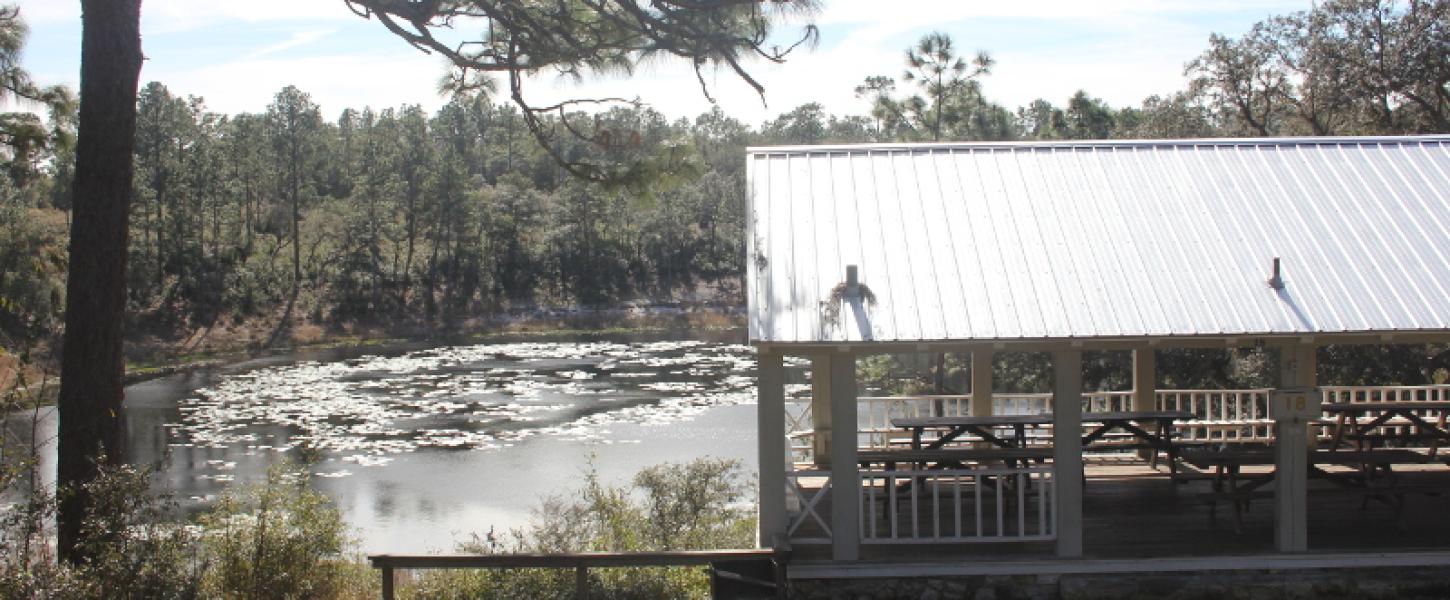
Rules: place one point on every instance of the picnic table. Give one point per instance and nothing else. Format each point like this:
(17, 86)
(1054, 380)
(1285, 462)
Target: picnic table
(1159, 439)
(1229, 483)
(1349, 423)
(982, 427)
(985, 428)
(951, 455)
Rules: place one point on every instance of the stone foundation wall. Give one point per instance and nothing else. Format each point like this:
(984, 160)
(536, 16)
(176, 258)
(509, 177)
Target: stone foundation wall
(1299, 584)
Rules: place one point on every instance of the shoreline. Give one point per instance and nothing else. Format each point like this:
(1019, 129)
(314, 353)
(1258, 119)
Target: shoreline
(149, 359)
(550, 324)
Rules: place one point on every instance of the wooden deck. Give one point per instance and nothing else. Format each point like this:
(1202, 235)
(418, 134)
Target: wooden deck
(1133, 511)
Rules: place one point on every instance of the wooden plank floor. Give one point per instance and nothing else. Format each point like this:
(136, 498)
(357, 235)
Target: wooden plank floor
(1131, 511)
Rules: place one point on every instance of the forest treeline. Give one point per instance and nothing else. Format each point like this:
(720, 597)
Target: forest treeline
(398, 216)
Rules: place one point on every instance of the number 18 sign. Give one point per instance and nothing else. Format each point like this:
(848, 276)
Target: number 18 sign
(1295, 403)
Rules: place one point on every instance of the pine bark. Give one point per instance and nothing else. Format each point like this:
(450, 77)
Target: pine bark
(92, 426)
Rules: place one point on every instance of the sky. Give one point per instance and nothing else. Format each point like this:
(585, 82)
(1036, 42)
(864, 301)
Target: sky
(238, 54)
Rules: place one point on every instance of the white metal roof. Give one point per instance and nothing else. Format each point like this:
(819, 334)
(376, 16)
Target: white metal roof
(1171, 238)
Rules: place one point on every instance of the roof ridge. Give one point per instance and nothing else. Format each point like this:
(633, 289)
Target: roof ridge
(1125, 143)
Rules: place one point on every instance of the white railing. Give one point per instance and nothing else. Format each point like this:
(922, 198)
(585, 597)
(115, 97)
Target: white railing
(1374, 394)
(1107, 401)
(1001, 504)
(1021, 404)
(874, 414)
(805, 522)
(1385, 393)
(1225, 416)
(800, 433)
(1221, 416)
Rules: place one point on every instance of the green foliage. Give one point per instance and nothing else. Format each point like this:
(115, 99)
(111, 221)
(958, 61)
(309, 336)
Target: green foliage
(578, 39)
(136, 549)
(279, 539)
(32, 271)
(399, 218)
(1343, 67)
(276, 539)
(1178, 368)
(703, 504)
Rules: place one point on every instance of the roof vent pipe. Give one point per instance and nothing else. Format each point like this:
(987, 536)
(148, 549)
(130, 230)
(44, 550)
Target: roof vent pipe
(1276, 281)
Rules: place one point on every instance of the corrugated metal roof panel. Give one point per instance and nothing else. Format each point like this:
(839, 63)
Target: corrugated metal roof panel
(1074, 240)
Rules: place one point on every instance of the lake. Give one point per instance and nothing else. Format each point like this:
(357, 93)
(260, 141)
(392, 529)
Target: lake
(421, 446)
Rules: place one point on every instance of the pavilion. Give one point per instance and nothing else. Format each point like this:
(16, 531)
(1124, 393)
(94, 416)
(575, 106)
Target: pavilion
(1066, 247)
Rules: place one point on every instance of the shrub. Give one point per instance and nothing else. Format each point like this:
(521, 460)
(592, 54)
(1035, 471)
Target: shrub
(279, 539)
(136, 548)
(698, 505)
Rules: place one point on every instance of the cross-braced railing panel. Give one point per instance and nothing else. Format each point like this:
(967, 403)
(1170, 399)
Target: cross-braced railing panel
(805, 503)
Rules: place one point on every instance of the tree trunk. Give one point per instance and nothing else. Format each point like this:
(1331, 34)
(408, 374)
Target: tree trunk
(92, 364)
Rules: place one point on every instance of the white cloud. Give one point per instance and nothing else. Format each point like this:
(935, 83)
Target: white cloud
(299, 38)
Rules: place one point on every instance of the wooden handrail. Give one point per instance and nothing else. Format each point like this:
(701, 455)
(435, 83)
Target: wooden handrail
(581, 562)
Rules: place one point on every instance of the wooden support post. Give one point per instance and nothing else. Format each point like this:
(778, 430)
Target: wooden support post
(1291, 525)
(1067, 449)
(388, 583)
(1145, 380)
(982, 382)
(845, 473)
(821, 409)
(773, 457)
(581, 582)
(1145, 388)
(1297, 366)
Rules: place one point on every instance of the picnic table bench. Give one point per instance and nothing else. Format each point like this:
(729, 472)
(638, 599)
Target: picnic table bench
(1373, 478)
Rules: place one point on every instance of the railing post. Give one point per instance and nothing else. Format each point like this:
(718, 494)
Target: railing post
(981, 382)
